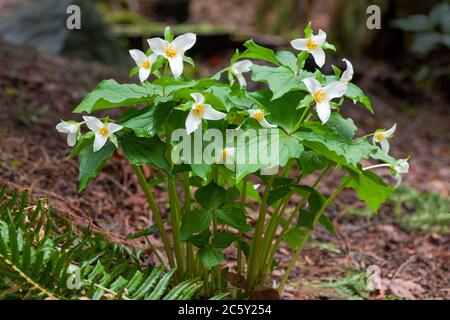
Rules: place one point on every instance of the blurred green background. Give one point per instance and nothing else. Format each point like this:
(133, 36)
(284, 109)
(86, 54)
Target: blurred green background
(414, 36)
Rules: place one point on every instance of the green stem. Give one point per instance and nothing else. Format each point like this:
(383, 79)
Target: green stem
(308, 234)
(253, 268)
(239, 251)
(302, 117)
(175, 221)
(294, 212)
(190, 258)
(155, 251)
(152, 203)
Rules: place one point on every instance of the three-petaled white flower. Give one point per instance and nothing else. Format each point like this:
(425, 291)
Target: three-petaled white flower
(103, 131)
(200, 110)
(258, 115)
(323, 95)
(313, 45)
(72, 129)
(240, 67)
(173, 51)
(402, 166)
(227, 157)
(347, 75)
(143, 62)
(382, 138)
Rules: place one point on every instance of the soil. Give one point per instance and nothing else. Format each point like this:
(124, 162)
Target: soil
(37, 90)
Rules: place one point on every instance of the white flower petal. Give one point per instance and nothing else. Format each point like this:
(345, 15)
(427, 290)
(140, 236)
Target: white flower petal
(312, 85)
(299, 44)
(319, 56)
(99, 142)
(93, 123)
(398, 177)
(241, 80)
(158, 46)
(152, 58)
(67, 127)
(112, 128)
(266, 124)
(184, 42)
(241, 67)
(138, 56)
(198, 97)
(72, 139)
(176, 65)
(320, 37)
(144, 73)
(384, 145)
(347, 75)
(192, 122)
(335, 89)
(211, 114)
(323, 111)
(390, 131)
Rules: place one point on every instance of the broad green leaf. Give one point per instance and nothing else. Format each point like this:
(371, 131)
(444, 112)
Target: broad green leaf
(349, 151)
(280, 79)
(200, 240)
(283, 111)
(223, 240)
(287, 59)
(326, 222)
(85, 140)
(234, 217)
(295, 236)
(92, 162)
(147, 121)
(141, 151)
(109, 94)
(370, 188)
(210, 196)
(194, 222)
(355, 94)
(345, 128)
(311, 161)
(210, 257)
(255, 153)
(306, 220)
(255, 51)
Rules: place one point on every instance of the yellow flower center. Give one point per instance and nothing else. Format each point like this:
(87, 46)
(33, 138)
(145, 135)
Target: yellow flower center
(198, 109)
(224, 153)
(104, 132)
(258, 115)
(146, 64)
(380, 136)
(319, 96)
(171, 52)
(310, 44)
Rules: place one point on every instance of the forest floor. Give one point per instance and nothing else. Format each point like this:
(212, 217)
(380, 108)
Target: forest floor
(36, 91)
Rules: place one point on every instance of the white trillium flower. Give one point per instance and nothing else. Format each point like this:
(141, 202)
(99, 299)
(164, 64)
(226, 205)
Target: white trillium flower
(258, 115)
(323, 95)
(382, 138)
(72, 129)
(347, 75)
(200, 111)
(401, 167)
(313, 45)
(103, 131)
(173, 51)
(143, 62)
(240, 67)
(227, 157)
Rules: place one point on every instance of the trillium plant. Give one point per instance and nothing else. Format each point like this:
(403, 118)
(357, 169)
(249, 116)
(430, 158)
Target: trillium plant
(233, 207)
